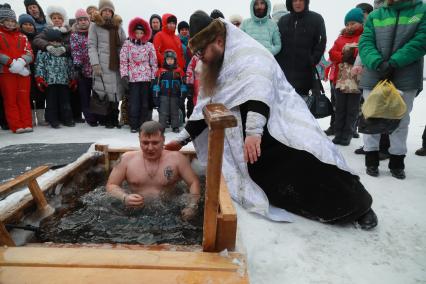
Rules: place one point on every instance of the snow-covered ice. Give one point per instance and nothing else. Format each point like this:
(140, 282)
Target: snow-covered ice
(310, 252)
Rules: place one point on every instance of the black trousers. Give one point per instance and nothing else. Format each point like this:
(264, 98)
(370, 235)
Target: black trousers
(138, 104)
(298, 182)
(58, 106)
(333, 103)
(85, 91)
(424, 138)
(347, 109)
(76, 104)
(3, 122)
(38, 98)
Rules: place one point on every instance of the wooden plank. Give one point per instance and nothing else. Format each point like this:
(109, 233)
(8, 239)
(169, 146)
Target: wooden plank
(226, 208)
(22, 179)
(211, 204)
(37, 194)
(54, 275)
(226, 235)
(107, 258)
(5, 238)
(159, 247)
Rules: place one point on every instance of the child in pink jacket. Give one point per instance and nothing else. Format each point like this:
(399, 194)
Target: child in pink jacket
(138, 66)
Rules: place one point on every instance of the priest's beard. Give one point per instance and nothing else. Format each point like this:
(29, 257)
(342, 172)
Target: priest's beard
(210, 73)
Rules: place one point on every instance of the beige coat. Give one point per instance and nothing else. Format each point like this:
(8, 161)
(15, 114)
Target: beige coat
(99, 54)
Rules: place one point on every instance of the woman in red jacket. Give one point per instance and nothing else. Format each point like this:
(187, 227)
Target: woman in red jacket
(343, 55)
(15, 56)
(166, 39)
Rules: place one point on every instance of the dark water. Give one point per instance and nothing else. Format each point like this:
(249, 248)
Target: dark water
(95, 217)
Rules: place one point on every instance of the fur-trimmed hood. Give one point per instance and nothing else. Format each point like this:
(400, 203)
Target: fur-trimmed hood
(138, 21)
(56, 10)
(164, 23)
(116, 20)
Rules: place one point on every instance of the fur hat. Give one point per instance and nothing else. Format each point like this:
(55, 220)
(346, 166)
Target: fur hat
(7, 13)
(25, 18)
(235, 18)
(106, 4)
(216, 14)
(183, 25)
(202, 35)
(81, 13)
(136, 22)
(91, 7)
(56, 10)
(33, 2)
(198, 21)
(53, 35)
(354, 15)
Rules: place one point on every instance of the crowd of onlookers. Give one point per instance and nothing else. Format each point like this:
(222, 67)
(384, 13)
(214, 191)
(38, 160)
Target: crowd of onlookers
(50, 65)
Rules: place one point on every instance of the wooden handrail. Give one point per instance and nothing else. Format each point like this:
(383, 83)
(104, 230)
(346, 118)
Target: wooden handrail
(22, 179)
(217, 118)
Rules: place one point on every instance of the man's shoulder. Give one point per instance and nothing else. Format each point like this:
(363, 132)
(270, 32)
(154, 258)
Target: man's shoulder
(174, 155)
(314, 15)
(130, 155)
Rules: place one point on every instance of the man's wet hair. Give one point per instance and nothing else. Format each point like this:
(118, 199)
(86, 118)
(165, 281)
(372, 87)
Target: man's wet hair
(151, 128)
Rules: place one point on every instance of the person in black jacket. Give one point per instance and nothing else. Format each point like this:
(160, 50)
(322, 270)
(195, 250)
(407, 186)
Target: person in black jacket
(303, 40)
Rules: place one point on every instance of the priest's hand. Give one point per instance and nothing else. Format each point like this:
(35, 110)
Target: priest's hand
(252, 148)
(173, 146)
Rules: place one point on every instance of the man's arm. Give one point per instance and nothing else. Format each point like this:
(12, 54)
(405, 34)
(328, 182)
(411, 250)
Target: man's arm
(116, 178)
(191, 179)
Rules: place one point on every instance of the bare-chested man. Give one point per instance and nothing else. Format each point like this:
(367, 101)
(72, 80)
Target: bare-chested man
(153, 170)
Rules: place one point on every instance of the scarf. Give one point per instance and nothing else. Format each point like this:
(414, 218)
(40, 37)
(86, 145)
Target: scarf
(114, 42)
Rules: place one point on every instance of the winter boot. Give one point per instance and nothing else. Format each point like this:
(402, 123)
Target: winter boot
(329, 131)
(368, 221)
(360, 151)
(421, 152)
(40, 117)
(345, 140)
(372, 163)
(396, 166)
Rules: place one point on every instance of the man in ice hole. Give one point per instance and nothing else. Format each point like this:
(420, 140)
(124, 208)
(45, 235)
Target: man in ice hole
(151, 171)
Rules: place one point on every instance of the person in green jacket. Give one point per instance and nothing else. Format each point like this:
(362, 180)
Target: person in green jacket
(261, 27)
(392, 47)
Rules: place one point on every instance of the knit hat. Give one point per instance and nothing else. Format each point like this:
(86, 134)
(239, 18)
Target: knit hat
(25, 18)
(216, 14)
(183, 25)
(7, 13)
(53, 35)
(198, 21)
(81, 13)
(354, 15)
(365, 7)
(106, 4)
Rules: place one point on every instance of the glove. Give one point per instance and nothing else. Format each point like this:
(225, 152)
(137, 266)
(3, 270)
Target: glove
(356, 70)
(41, 84)
(24, 72)
(156, 89)
(73, 85)
(17, 65)
(385, 70)
(97, 70)
(56, 51)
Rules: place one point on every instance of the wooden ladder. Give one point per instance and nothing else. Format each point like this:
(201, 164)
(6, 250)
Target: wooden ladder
(26, 179)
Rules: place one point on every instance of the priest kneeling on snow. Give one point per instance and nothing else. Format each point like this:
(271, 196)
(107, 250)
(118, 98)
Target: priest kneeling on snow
(278, 157)
(152, 171)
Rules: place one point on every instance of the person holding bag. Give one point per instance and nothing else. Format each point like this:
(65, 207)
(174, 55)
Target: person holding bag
(343, 55)
(398, 58)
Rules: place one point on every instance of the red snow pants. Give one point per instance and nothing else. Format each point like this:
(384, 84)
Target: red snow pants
(15, 90)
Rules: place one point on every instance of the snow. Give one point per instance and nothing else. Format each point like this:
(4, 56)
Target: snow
(306, 251)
